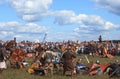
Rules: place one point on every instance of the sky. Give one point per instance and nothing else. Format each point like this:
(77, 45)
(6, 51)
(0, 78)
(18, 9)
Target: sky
(59, 20)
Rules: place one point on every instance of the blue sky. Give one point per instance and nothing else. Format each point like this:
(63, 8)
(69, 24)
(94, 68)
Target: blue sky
(59, 19)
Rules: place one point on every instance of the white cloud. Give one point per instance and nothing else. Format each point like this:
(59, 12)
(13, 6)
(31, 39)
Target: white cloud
(13, 29)
(35, 10)
(9, 26)
(110, 5)
(90, 26)
(92, 22)
(31, 10)
(64, 17)
(5, 33)
(33, 28)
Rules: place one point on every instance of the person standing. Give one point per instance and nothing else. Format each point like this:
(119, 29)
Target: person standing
(100, 39)
(68, 63)
(2, 61)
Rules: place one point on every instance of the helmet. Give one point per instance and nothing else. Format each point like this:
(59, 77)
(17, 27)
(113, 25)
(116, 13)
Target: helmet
(97, 61)
(116, 61)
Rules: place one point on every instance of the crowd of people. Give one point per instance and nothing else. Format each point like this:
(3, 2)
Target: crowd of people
(48, 55)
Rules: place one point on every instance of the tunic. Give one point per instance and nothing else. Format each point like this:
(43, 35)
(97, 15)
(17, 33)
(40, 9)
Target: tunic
(68, 64)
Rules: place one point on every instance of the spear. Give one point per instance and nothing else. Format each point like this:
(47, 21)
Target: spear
(87, 59)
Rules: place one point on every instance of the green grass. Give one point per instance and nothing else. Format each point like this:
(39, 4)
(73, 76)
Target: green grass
(23, 74)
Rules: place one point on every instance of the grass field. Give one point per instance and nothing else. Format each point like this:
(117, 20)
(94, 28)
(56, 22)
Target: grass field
(23, 74)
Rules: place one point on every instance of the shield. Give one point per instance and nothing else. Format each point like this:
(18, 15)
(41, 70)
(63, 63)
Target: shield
(18, 55)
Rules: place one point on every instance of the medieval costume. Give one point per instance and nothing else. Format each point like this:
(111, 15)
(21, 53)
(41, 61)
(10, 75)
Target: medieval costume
(81, 68)
(2, 61)
(68, 64)
(48, 62)
(113, 69)
(100, 38)
(36, 68)
(96, 69)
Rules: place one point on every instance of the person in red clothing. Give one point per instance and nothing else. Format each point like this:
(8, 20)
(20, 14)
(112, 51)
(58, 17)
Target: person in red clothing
(95, 69)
